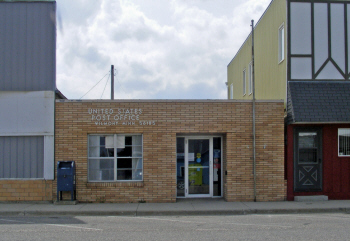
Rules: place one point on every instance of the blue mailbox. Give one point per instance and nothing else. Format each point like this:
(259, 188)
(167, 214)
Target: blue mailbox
(66, 179)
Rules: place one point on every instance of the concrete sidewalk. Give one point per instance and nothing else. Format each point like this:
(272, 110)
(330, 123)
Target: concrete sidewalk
(181, 207)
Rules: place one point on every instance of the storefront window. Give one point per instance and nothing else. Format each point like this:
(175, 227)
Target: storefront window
(115, 157)
(344, 141)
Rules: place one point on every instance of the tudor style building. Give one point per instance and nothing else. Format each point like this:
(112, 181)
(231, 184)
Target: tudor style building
(302, 56)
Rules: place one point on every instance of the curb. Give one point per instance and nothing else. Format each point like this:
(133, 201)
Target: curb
(175, 213)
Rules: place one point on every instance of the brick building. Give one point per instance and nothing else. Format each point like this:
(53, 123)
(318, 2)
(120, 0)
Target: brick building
(160, 150)
(124, 151)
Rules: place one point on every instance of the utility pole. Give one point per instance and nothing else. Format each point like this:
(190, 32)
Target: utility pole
(254, 134)
(112, 82)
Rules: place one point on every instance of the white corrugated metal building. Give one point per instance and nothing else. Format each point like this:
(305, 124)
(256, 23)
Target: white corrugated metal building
(27, 98)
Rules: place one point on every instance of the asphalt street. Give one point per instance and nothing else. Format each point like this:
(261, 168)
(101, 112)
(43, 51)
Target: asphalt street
(233, 227)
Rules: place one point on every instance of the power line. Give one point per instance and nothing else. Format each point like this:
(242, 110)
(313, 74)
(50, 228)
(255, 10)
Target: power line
(95, 85)
(105, 86)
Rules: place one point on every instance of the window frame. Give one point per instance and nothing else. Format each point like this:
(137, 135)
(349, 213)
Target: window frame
(115, 158)
(348, 142)
(281, 46)
(244, 83)
(250, 78)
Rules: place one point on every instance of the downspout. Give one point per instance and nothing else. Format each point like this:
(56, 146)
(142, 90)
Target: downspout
(253, 114)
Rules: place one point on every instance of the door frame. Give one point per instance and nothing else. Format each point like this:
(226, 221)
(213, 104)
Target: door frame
(211, 175)
(296, 164)
(187, 139)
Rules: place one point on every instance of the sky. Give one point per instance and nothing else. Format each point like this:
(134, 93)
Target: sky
(160, 49)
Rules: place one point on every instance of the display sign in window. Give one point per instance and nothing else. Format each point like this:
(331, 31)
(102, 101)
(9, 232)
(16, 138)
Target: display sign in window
(115, 158)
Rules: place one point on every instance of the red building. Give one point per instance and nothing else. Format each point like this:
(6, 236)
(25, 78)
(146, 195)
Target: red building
(318, 101)
(318, 139)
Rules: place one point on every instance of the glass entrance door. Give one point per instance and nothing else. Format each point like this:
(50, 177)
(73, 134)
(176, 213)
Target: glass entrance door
(198, 162)
(199, 166)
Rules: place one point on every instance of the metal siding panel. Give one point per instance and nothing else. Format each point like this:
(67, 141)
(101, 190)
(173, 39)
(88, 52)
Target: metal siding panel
(44, 47)
(22, 157)
(6, 60)
(32, 49)
(45, 53)
(27, 162)
(10, 49)
(1, 151)
(17, 46)
(40, 157)
(48, 47)
(2, 47)
(27, 46)
(4, 157)
(42, 32)
(48, 53)
(12, 46)
(7, 158)
(2, 154)
(27, 113)
(52, 58)
(13, 157)
(22, 46)
(33, 157)
(8, 46)
(49, 156)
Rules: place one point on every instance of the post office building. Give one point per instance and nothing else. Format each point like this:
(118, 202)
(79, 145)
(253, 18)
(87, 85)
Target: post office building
(161, 150)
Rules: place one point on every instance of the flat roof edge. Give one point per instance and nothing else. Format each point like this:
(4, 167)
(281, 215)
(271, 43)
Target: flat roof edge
(26, 1)
(320, 123)
(170, 101)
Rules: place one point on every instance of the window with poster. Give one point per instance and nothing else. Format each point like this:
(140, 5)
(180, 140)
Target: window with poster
(115, 158)
(217, 164)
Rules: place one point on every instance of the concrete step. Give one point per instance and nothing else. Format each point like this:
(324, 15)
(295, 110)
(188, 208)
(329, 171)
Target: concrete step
(65, 202)
(315, 198)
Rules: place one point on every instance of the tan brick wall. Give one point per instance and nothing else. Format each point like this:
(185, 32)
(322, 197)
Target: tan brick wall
(25, 190)
(230, 119)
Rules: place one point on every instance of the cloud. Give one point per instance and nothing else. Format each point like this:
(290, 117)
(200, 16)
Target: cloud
(184, 56)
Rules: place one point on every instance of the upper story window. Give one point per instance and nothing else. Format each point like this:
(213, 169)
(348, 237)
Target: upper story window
(344, 141)
(231, 91)
(281, 43)
(318, 40)
(244, 82)
(115, 158)
(250, 78)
